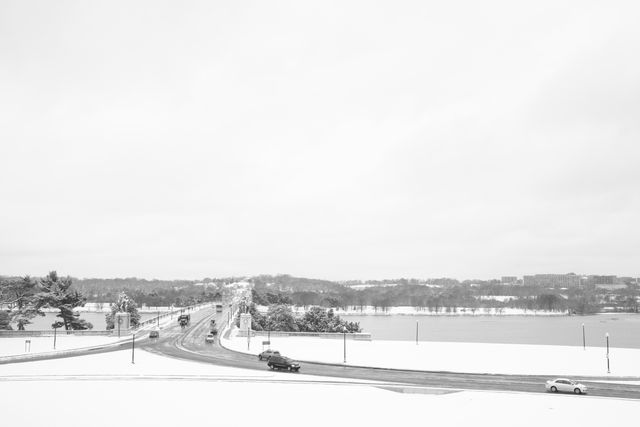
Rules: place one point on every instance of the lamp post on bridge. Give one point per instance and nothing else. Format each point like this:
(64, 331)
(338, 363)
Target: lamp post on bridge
(584, 342)
(344, 334)
(55, 329)
(133, 348)
(608, 369)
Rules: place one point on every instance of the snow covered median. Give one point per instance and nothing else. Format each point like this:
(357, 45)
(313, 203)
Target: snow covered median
(450, 356)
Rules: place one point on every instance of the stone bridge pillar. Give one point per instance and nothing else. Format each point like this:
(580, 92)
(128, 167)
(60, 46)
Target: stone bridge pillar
(122, 323)
(245, 324)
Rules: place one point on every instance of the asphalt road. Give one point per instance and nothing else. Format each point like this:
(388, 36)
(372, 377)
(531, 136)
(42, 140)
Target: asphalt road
(190, 344)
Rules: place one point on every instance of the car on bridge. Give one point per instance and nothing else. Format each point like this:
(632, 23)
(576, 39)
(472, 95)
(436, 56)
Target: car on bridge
(281, 362)
(265, 355)
(154, 334)
(566, 385)
(210, 338)
(184, 320)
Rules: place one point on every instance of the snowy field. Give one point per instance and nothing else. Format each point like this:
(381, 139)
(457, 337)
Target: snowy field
(107, 389)
(16, 346)
(457, 357)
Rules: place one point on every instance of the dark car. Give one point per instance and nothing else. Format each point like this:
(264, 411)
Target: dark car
(281, 362)
(265, 355)
(154, 334)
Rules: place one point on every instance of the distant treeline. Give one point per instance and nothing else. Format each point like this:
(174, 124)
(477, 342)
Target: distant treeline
(447, 296)
(154, 293)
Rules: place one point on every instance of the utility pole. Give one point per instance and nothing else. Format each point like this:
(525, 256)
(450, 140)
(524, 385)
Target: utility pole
(584, 342)
(133, 348)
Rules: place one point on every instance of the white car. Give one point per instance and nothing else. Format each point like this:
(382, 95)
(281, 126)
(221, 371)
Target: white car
(210, 338)
(564, 384)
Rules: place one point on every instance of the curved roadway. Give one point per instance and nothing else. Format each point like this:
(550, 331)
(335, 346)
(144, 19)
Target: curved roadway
(190, 345)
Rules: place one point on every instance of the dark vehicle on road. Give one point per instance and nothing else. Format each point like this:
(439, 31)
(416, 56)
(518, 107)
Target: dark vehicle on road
(184, 320)
(154, 334)
(265, 355)
(281, 362)
(218, 308)
(211, 338)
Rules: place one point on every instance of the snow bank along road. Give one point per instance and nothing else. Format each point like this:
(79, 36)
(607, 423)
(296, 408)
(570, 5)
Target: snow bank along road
(189, 344)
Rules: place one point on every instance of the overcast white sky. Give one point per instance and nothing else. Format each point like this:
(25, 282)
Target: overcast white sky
(338, 140)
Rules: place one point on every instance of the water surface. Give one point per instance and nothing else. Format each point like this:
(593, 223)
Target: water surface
(624, 329)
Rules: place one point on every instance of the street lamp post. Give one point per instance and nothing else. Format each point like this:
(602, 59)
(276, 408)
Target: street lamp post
(133, 348)
(269, 330)
(344, 332)
(55, 329)
(416, 332)
(158, 320)
(584, 342)
(608, 370)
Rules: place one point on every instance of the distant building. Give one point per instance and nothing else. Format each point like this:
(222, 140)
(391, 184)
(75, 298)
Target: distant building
(553, 280)
(611, 287)
(509, 280)
(602, 280)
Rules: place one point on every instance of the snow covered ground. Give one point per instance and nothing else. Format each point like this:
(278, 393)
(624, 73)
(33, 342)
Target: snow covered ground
(15, 346)
(106, 389)
(449, 356)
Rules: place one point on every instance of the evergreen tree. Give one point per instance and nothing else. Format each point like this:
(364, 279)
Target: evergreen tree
(56, 292)
(21, 292)
(5, 320)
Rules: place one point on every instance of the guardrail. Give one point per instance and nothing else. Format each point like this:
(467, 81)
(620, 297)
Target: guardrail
(355, 336)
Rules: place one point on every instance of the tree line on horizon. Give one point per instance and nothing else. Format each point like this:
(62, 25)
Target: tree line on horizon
(441, 298)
